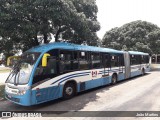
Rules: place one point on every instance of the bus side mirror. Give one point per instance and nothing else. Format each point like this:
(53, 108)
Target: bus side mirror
(44, 59)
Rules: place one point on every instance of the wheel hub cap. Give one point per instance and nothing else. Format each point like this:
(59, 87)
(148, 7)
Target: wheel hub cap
(69, 90)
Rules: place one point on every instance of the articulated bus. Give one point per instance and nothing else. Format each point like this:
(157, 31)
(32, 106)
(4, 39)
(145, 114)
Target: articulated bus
(56, 70)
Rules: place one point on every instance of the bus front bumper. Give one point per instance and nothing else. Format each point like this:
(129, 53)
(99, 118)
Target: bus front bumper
(23, 100)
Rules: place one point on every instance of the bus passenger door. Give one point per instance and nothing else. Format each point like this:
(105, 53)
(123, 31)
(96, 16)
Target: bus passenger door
(121, 63)
(105, 74)
(127, 65)
(41, 81)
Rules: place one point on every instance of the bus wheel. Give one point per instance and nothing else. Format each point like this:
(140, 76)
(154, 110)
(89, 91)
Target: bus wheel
(114, 79)
(69, 90)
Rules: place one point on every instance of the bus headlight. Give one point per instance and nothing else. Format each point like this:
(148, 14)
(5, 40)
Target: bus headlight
(7, 89)
(22, 92)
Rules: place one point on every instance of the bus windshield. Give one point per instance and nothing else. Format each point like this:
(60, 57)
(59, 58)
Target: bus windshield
(21, 71)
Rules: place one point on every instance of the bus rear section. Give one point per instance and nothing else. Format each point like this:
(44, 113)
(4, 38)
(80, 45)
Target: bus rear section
(136, 63)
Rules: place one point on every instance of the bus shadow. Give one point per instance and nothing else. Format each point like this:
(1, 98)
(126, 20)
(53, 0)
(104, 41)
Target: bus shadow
(77, 103)
(61, 106)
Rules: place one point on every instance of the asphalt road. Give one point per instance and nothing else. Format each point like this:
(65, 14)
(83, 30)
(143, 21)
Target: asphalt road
(137, 94)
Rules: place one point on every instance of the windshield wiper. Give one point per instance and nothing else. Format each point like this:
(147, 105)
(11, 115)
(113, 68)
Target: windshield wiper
(15, 71)
(17, 66)
(9, 76)
(16, 80)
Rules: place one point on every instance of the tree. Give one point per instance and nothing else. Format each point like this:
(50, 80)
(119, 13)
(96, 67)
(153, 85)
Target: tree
(22, 21)
(7, 47)
(138, 35)
(86, 32)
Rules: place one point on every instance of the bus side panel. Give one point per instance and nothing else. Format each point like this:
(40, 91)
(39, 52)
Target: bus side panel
(120, 73)
(147, 69)
(93, 83)
(106, 80)
(121, 76)
(46, 94)
(136, 73)
(136, 70)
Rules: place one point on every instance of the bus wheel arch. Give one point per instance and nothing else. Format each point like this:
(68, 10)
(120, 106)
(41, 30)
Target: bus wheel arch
(69, 89)
(114, 78)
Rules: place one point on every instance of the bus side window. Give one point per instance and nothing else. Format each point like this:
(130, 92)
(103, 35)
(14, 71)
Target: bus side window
(147, 59)
(65, 61)
(139, 59)
(135, 59)
(95, 58)
(75, 61)
(121, 60)
(44, 73)
(51, 67)
(83, 61)
(132, 59)
(142, 59)
(114, 61)
(105, 60)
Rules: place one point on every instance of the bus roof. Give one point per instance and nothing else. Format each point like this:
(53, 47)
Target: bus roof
(137, 53)
(69, 46)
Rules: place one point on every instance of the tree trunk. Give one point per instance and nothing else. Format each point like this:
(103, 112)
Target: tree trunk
(36, 41)
(57, 35)
(45, 38)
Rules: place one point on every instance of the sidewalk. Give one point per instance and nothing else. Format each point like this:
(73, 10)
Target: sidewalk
(2, 67)
(155, 67)
(4, 72)
(3, 77)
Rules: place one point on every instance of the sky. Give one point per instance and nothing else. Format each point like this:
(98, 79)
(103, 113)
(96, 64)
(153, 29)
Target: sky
(115, 13)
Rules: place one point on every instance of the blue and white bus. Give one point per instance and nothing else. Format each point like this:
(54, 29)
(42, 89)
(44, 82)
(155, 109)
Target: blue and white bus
(56, 70)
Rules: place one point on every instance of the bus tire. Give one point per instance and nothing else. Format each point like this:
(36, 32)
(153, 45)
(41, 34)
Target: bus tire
(69, 90)
(114, 79)
(143, 71)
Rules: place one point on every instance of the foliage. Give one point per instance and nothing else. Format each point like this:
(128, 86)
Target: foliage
(23, 21)
(138, 35)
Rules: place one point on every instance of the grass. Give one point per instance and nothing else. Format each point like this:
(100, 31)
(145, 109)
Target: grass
(2, 92)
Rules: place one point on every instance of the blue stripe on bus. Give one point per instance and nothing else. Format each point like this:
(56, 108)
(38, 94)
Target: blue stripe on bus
(110, 70)
(84, 73)
(106, 71)
(116, 70)
(103, 72)
(73, 77)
